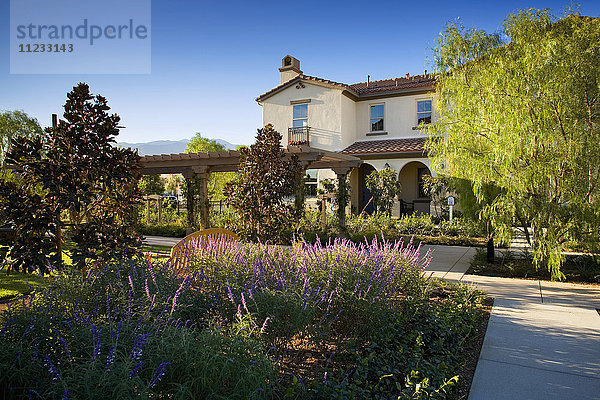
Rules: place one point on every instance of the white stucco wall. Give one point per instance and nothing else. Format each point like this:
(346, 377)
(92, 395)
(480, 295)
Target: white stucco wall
(336, 121)
(400, 116)
(324, 114)
(348, 115)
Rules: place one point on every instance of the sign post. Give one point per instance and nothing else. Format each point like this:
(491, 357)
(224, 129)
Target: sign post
(450, 206)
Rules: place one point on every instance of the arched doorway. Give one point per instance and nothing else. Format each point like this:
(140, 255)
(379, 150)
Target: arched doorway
(364, 194)
(413, 198)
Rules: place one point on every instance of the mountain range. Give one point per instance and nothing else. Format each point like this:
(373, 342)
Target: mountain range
(167, 146)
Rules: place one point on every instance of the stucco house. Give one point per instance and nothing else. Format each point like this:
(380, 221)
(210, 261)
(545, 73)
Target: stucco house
(377, 121)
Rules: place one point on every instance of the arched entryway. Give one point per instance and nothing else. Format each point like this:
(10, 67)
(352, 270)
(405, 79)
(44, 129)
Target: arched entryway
(364, 194)
(413, 198)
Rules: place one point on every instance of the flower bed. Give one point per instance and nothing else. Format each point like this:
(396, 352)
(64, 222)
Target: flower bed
(341, 320)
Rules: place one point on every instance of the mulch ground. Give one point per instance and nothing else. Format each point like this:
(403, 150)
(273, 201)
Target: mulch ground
(471, 353)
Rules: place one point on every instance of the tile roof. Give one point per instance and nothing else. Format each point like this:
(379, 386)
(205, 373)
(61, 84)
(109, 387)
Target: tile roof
(361, 88)
(390, 85)
(411, 145)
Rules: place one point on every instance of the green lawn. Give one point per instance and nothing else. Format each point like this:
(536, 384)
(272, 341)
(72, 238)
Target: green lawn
(17, 284)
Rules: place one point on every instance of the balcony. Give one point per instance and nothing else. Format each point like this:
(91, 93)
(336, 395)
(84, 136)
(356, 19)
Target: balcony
(298, 136)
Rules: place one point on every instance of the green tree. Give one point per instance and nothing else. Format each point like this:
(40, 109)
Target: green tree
(174, 184)
(524, 117)
(152, 184)
(74, 169)
(258, 192)
(384, 187)
(472, 207)
(217, 180)
(14, 124)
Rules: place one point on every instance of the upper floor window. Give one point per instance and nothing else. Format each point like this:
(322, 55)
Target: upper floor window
(423, 112)
(377, 117)
(300, 115)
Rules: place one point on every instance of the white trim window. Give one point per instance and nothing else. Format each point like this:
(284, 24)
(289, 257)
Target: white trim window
(300, 115)
(424, 110)
(377, 117)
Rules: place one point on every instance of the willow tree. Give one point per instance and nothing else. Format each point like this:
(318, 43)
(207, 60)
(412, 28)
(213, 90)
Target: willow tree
(524, 116)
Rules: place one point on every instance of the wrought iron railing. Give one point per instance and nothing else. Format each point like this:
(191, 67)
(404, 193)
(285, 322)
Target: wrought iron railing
(298, 136)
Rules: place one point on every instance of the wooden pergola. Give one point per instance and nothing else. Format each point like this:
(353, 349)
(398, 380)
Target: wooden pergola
(197, 167)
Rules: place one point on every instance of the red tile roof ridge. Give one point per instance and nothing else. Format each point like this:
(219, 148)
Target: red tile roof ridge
(411, 82)
(396, 145)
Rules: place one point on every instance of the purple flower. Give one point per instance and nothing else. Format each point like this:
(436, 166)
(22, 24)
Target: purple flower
(158, 374)
(138, 345)
(110, 358)
(264, 325)
(52, 369)
(64, 343)
(97, 343)
(244, 303)
(135, 369)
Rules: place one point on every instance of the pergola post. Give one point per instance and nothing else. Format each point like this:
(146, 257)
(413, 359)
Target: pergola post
(192, 220)
(342, 200)
(299, 190)
(148, 209)
(203, 203)
(159, 201)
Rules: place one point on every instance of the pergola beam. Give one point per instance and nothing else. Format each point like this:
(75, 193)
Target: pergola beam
(197, 167)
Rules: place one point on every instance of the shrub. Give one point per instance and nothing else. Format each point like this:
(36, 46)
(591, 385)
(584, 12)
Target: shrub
(258, 192)
(385, 187)
(173, 229)
(116, 331)
(334, 320)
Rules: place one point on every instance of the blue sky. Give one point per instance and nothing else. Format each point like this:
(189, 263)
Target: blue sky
(210, 60)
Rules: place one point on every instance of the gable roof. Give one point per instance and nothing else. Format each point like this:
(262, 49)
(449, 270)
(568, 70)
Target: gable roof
(412, 145)
(362, 89)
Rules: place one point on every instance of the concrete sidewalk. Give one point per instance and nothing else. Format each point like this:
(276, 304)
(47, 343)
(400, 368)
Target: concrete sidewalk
(160, 241)
(543, 338)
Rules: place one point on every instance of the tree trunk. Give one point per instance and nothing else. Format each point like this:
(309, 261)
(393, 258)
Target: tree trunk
(491, 253)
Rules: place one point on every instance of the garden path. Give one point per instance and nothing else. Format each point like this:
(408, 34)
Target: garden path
(542, 340)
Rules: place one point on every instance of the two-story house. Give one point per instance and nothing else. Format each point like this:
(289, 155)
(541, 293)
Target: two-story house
(377, 121)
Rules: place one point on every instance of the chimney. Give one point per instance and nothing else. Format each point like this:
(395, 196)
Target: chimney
(368, 80)
(290, 68)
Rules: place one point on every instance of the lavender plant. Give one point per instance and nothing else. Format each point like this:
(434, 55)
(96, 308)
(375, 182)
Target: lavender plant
(239, 321)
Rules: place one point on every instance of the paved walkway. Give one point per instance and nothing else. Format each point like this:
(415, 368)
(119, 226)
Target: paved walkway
(543, 338)
(161, 241)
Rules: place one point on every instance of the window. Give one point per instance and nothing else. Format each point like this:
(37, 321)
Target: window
(310, 184)
(423, 112)
(300, 115)
(377, 117)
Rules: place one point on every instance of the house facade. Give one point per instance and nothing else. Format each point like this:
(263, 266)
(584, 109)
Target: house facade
(377, 121)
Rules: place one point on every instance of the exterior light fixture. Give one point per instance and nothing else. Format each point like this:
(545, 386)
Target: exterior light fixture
(387, 166)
